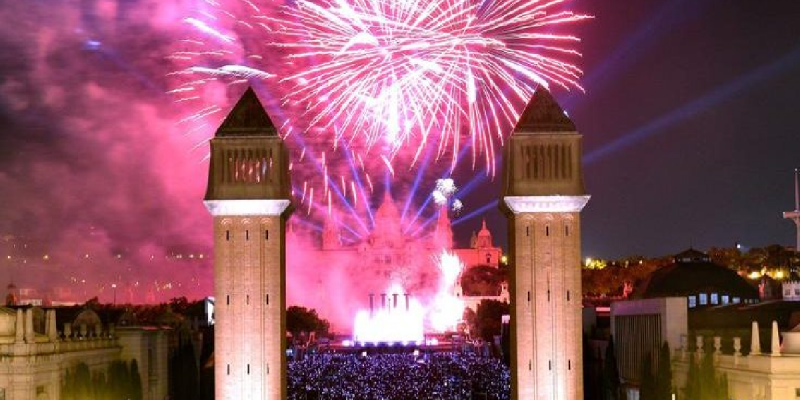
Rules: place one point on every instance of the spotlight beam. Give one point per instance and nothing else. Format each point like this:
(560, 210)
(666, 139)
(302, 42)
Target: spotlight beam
(696, 106)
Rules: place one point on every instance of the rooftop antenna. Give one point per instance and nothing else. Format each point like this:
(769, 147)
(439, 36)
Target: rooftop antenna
(795, 215)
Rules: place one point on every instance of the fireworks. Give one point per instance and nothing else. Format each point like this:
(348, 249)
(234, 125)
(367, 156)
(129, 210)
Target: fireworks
(408, 74)
(387, 75)
(374, 83)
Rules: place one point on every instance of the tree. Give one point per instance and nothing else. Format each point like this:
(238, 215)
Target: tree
(136, 381)
(693, 382)
(482, 280)
(610, 376)
(590, 368)
(703, 381)
(663, 389)
(183, 373)
(647, 387)
(301, 319)
(489, 317)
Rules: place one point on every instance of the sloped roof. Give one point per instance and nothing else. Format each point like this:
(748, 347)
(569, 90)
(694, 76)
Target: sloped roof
(247, 118)
(544, 114)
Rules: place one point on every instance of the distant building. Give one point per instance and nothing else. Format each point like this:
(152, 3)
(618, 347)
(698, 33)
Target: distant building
(472, 302)
(389, 250)
(791, 290)
(481, 251)
(36, 355)
(387, 255)
(639, 328)
(702, 282)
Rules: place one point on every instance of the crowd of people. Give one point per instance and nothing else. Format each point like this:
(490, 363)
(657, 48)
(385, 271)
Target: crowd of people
(449, 376)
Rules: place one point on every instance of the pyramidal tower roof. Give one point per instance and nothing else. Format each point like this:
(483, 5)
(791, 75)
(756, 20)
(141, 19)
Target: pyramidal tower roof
(543, 114)
(247, 118)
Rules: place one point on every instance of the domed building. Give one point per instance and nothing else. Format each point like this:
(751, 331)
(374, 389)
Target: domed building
(702, 282)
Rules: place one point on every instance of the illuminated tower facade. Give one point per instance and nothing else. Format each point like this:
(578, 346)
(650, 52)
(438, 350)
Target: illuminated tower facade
(248, 196)
(543, 195)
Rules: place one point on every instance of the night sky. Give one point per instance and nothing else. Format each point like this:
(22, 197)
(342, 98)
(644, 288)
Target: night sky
(689, 124)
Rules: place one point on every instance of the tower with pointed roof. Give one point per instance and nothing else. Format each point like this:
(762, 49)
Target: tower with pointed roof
(248, 196)
(484, 238)
(443, 233)
(543, 195)
(331, 237)
(795, 215)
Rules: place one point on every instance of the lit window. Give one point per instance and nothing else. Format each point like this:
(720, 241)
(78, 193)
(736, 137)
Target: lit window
(714, 298)
(736, 300)
(692, 301)
(703, 299)
(726, 299)
(797, 292)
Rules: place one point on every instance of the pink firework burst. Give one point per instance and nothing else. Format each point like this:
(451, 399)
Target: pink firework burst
(413, 73)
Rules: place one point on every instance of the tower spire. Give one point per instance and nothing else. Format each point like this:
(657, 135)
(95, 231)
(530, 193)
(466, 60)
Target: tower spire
(795, 215)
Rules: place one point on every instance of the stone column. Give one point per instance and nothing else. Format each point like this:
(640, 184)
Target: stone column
(19, 327)
(755, 340)
(30, 336)
(52, 329)
(776, 340)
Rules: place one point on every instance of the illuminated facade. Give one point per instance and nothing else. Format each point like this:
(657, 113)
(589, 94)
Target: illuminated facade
(543, 196)
(760, 374)
(36, 355)
(248, 196)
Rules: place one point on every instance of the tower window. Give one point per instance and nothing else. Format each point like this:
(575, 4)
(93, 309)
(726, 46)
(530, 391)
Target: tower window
(228, 367)
(548, 294)
(247, 300)
(266, 235)
(248, 369)
(566, 230)
(267, 299)
(567, 295)
(228, 300)
(228, 235)
(529, 296)
(569, 365)
(550, 364)
(547, 230)
(246, 235)
(527, 231)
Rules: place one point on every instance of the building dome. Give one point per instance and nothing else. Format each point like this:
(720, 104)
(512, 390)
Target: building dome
(692, 274)
(87, 317)
(484, 238)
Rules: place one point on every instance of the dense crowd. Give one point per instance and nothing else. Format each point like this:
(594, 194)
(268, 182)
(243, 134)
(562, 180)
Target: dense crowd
(449, 376)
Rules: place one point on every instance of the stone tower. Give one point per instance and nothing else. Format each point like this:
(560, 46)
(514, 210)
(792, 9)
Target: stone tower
(248, 196)
(543, 195)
